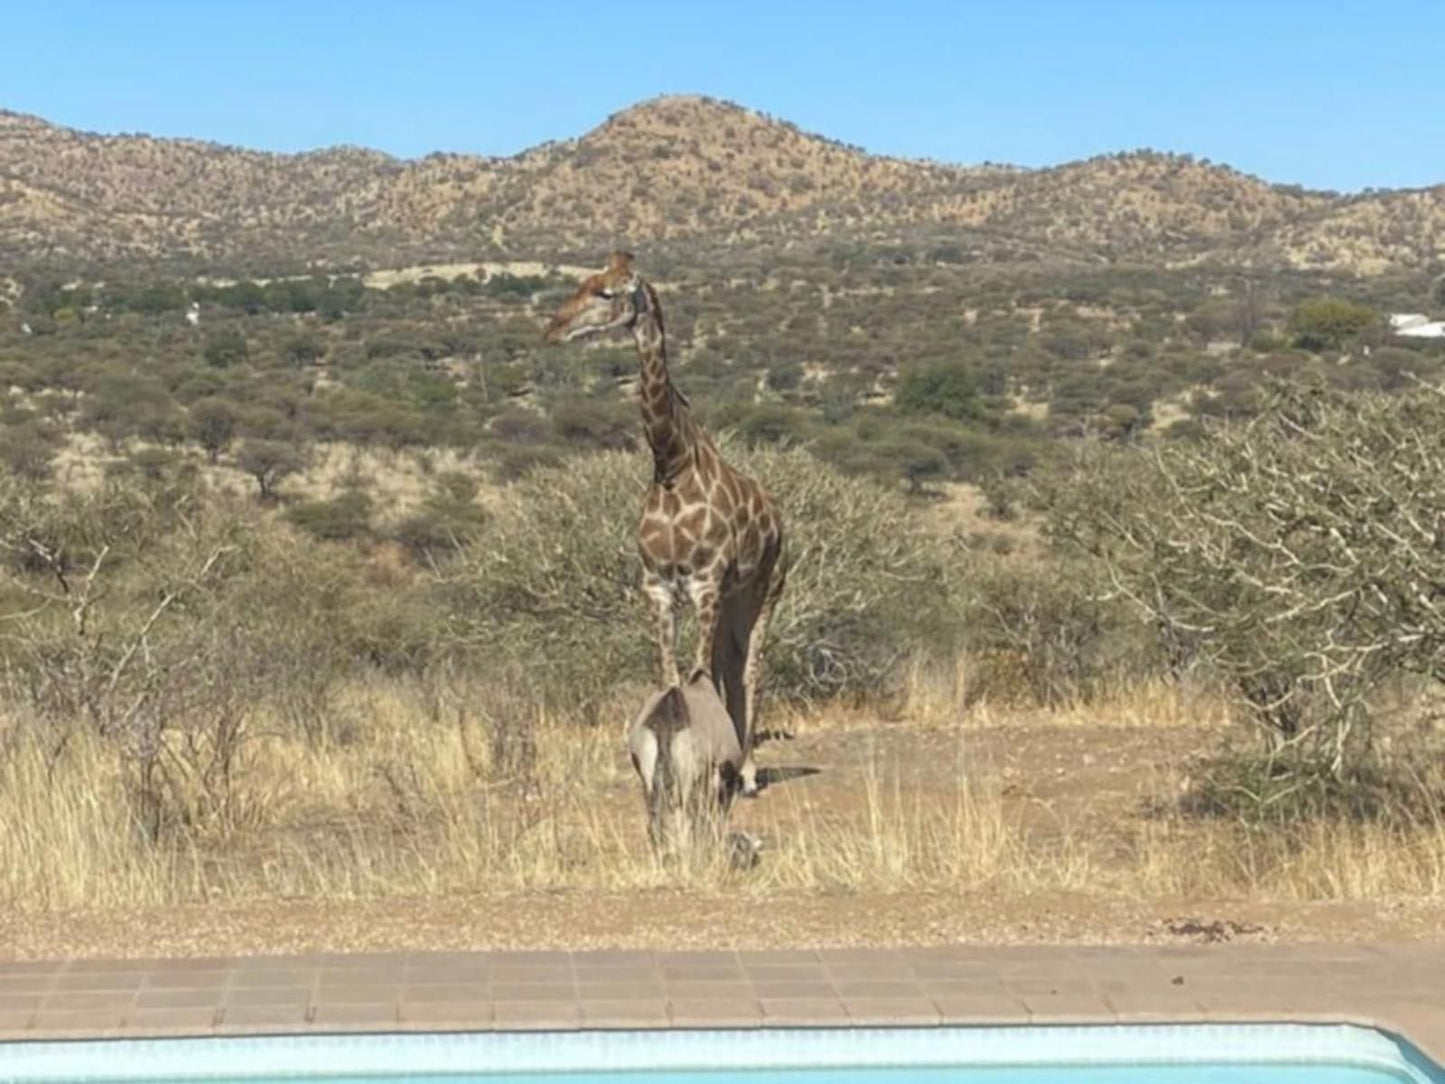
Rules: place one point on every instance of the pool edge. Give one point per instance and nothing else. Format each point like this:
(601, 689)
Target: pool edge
(1378, 987)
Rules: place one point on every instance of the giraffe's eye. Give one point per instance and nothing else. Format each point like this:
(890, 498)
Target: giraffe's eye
(606, 294)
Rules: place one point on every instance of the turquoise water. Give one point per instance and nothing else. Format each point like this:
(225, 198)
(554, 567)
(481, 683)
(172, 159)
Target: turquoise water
(1149, 1054)
(1051, 1074)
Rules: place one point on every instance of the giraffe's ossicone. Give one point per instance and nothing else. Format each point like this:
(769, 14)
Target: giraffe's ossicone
(709, 535)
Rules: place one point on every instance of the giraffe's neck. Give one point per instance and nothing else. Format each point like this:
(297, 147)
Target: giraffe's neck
(671, 433)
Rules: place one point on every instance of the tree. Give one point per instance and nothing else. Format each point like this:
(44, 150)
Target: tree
(304, 349)
(213, 425)
(225, 347)
(917, 463)
(945, 387)
(269, 461)
(1296, 552)
(1327, 323)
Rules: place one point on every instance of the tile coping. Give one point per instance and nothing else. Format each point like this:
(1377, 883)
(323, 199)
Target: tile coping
(1395, 988)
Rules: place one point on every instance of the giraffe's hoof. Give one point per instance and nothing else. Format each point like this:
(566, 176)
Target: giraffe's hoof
(748, 782)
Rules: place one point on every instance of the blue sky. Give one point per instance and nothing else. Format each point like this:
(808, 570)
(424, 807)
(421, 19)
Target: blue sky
(1329, 94)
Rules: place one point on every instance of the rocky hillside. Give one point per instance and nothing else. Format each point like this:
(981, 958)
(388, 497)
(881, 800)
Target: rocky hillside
(672, 168)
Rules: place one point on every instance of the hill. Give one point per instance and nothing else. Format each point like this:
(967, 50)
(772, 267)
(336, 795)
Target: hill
(680, 169)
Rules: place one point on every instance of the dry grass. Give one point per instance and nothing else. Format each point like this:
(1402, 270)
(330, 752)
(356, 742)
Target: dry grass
(418, 790)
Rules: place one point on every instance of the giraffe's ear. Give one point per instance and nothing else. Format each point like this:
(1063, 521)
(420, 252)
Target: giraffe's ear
(620, 261)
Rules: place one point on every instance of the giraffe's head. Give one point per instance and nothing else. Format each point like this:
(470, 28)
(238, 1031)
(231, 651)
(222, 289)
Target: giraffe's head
(604, 302)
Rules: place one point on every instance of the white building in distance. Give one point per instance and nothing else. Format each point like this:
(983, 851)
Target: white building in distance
(1414, 325)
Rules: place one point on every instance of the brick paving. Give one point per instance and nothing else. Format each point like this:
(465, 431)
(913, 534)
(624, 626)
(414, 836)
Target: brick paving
(1399, 988)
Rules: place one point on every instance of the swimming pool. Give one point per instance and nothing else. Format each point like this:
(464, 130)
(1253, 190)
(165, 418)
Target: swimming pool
(1158, 1054)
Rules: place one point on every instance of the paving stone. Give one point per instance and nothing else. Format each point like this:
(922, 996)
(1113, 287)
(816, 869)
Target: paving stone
(257, 1016)
(473, 1014)
(882, 988)
(778, 957)
(14, 1022)
(87, 1001)
(26, 982)
(802, 1012)
(527, 957)
(893, 1011)
(389, 962)
(765, 972)
(176, 1020)
(352, 977)
(95, 981)
(358, 995)
(83, 966)
(625, 1013)
(30, 967)
(995, 1007)
(373, 1015)
(537, 1015)
(710, 991)
(782, 990)
(18, 1003)
(734, 1012)
(277, 996)
(273, 977)
(1071, 1007)
(630, 959)
(185, 979)
(443, 992)
(177, 999)
(533, 991)
(620, 991)
(697, 957)
(101, 1021)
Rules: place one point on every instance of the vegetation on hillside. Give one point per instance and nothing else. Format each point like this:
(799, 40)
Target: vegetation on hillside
(670, 169)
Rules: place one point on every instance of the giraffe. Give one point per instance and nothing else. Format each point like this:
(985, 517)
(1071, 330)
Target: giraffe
(709, 534)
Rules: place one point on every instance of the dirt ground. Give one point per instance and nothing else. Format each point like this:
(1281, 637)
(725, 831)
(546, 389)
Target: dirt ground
(1085, 780)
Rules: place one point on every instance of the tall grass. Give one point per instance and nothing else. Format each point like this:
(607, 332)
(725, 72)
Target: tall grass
(410, 796)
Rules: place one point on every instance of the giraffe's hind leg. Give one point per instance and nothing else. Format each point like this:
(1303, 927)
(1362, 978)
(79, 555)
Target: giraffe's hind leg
(729, 651)
(664, 611)
(706, 591)
(773, 576)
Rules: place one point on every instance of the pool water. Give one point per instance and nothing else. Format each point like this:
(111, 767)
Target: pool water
(1153, 1054)
(1053, 1074)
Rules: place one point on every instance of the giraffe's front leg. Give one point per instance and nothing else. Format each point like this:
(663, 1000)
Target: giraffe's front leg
(664, 605)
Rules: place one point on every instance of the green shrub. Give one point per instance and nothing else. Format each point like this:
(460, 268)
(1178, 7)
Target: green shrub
(27, 449)
(447, 521)
(946, 388)
(1327, 323)
(339, 519)
(1045, 631)
(224, 347)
